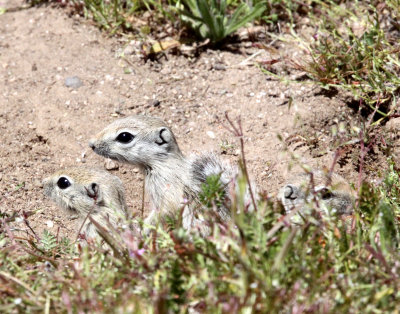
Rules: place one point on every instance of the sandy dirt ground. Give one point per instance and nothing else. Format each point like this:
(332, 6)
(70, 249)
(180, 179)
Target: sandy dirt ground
(45, 126)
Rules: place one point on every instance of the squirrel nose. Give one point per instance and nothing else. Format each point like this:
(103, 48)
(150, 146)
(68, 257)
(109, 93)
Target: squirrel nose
(92, 144)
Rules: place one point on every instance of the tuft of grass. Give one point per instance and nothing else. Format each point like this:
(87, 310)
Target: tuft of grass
(356, 48)
(210, 19)
(112, 15)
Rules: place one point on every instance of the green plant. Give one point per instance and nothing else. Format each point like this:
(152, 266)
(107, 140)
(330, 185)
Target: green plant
(48, 241)
(211, 19)
(213, 193)
(112, 14)
(366, 64)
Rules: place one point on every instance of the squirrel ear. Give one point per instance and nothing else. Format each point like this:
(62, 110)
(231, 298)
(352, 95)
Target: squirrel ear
(93, 191)
(291, 192)
(164, 136)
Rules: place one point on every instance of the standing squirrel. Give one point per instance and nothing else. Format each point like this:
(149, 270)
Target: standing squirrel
(81, 191)
(172, 181)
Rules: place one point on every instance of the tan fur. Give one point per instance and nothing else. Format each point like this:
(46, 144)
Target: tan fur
(170, 178)
(336, 197)
(90, 190)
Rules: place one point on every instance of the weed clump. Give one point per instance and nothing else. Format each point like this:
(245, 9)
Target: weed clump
(356, 48)
(210, 19)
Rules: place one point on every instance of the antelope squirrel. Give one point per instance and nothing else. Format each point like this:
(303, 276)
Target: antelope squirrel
(338, 196)
(82, 190)
(170, 177)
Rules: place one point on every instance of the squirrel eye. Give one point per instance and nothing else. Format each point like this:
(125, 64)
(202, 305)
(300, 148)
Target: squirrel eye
(326, 194)
(63, 183)
(125, 137)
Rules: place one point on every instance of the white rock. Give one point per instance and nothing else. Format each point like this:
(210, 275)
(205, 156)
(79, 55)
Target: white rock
(111, 165)
(211, 134)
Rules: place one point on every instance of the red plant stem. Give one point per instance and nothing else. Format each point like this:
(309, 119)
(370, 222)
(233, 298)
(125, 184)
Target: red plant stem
(238, 132)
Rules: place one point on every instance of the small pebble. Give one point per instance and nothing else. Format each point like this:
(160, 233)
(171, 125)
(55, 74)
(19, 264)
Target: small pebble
(49, 224)
(73, 82)
(211, 134)
(129, 50)
(111, 165)
(219, 67)
(17, 301)
(155, 102)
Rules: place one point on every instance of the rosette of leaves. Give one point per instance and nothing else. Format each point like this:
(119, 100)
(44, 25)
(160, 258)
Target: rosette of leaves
(212, 19)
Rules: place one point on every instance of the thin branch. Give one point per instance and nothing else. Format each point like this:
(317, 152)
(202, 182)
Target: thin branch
(237, 131)
(29, 226)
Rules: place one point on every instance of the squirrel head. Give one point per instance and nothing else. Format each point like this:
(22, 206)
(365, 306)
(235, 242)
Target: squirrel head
(139, 140)
(335, 196)
(81, 189)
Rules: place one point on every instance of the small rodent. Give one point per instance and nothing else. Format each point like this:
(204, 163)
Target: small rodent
(170, 177)
(334, 194)
(82, 190)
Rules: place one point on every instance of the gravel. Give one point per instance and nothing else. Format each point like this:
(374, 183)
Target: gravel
(73, 82)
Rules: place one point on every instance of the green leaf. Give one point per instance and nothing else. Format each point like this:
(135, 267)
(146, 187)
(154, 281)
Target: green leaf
(235, 23)
(48, 241)
(209, 18)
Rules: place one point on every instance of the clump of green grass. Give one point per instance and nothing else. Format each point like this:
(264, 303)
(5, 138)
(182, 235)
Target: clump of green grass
(212, 19)
(112, 15)
(357, 49)
(209, 19)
